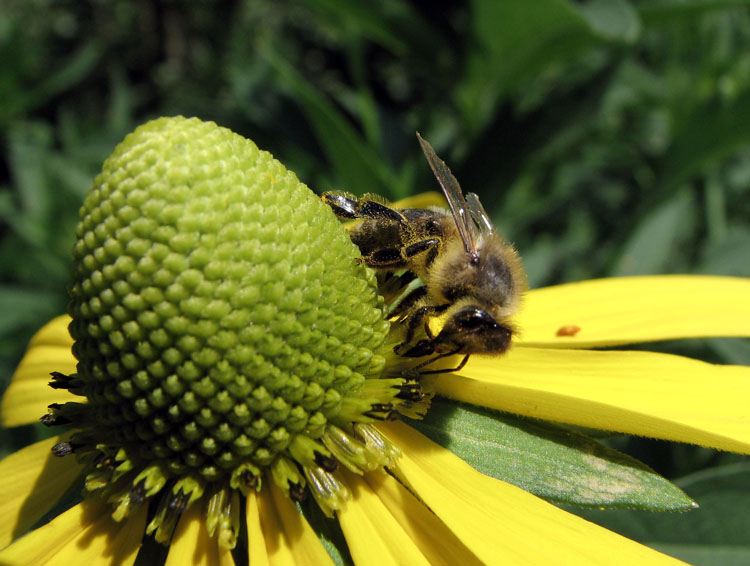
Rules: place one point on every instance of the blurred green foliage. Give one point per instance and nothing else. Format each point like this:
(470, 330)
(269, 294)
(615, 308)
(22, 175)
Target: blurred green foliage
(605, 137)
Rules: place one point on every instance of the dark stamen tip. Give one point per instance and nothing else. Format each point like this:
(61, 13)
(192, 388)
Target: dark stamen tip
(138, 493)
(410, 392)
(297, 492)
(178, 502)
(380, 411)
(53, 420)
(251, 479)
(62, 449)
(326, 462)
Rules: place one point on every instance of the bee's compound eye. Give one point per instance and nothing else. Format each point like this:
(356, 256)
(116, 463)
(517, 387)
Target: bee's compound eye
(472, 319)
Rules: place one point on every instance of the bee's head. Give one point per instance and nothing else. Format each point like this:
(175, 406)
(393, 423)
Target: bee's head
(475, 331)
(492, 277)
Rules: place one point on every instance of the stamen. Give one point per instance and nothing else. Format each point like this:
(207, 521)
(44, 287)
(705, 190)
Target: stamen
(305, 450)
(223, 516)
(330, 493)
(125, 464)
(97, 479)
(326, 462)
(415, 411)
(297, 492)
(138, 493)
(65, 414)
(349, 451)
(286, 474)
(53, 417)
(377, 443)
(62, 449)
(191, 487)
(70, 382)
(380, 411)
(126, 502)
(410, 391)
(246, 478)
(153, 478)
(169, 511)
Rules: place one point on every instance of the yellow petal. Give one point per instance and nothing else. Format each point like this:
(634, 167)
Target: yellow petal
(54, 333)
(41, 545)
(33, 481)
(257, 553)
(289, 539)
(373, 535)
(436, 541)
(191, 543)
(501, 523)
(627, 310)
(29, 394)
(644, 393)
(85, 534)
(422, 200)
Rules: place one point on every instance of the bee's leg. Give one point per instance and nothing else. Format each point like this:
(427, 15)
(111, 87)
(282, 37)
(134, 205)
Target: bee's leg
(375, 210)
(342, 205)
(418, 315)
(419, 371)
(460, 365)
(420, 247)
(418, 350)
(408, 301)
(349, 207)
(385, 258)
(414, 319)
(393, 258)
(428, 330)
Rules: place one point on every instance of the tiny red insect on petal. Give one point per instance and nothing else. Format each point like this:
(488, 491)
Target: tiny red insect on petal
(568, 330)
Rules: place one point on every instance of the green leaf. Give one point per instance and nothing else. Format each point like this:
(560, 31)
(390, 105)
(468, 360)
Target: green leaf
(555, 463)
(708, 134)
(730, 256)
(329, 532)
(73, 69)
(733, 350)
(714, 534)
(21, 307)
(613, 19)
(668, 10)
(30, 144)
(519, 39)
(356, 166)
(362, 20)
(706, 555)
(654, 245)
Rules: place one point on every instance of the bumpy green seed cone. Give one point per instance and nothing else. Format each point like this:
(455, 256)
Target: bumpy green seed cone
(223, 328)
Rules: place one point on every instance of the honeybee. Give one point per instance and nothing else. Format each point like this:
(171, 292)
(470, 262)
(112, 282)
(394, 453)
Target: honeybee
(472, 278)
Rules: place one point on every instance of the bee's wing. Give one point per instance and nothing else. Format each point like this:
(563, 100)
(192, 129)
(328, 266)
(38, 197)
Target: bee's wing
(453, 194)
(480, 216)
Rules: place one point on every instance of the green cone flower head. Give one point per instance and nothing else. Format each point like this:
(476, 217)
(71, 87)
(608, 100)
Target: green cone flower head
(225, 332)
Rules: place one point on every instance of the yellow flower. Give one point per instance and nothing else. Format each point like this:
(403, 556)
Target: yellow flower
(205, 276)
(458, 516)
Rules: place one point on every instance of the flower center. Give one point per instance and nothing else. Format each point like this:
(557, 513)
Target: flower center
(225, 333)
